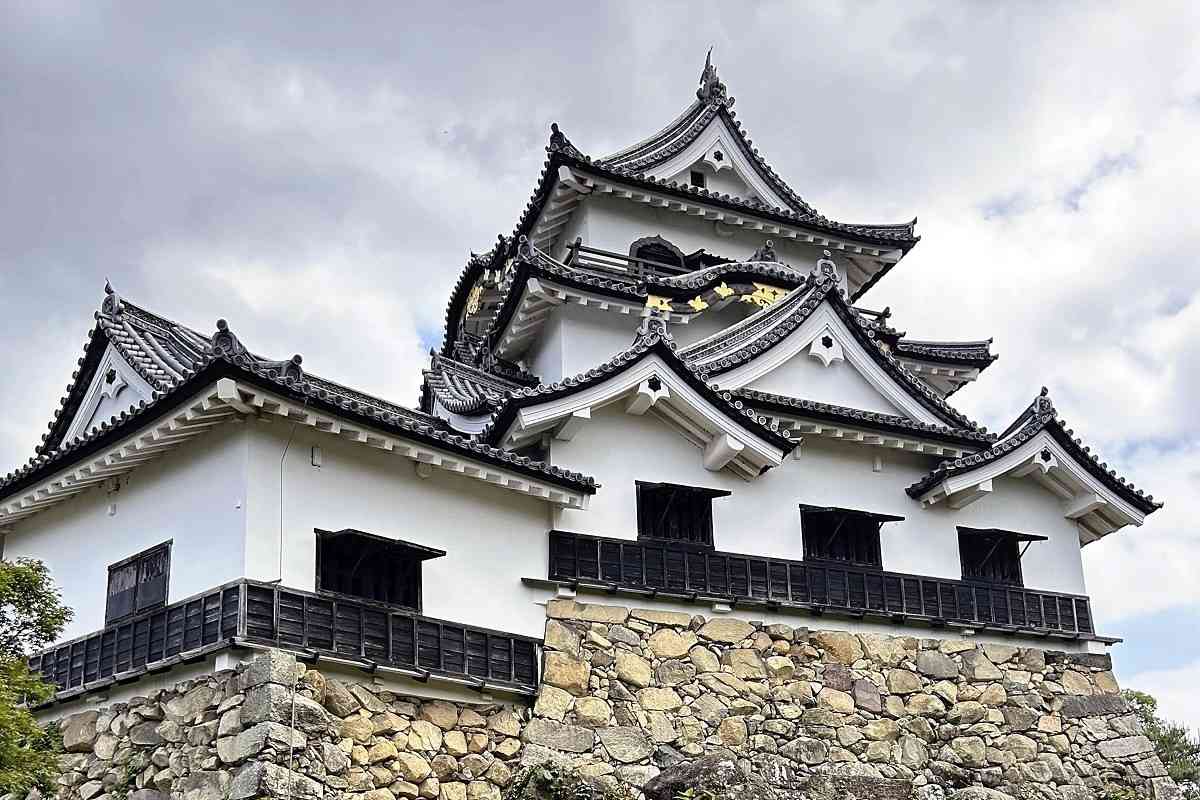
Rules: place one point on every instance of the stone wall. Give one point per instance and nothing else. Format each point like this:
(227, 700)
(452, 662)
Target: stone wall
(628, 694)
(276, 729)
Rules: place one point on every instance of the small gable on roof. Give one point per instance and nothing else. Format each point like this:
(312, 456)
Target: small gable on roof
(1039, 446)
(814, 326)
(648, 378)
(115, 386)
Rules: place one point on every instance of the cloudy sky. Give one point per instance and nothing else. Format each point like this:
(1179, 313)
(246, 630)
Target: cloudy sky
(318, 178)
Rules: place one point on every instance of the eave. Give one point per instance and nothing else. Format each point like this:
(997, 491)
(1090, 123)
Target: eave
(808, 417)
(1042, 449)
(648, 377)
(567, 180)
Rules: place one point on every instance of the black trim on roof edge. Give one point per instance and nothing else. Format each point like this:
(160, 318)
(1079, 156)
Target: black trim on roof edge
(644, 345)
(1040, 415)
(871, 419)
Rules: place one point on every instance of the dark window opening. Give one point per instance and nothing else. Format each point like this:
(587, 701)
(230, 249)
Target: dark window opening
(992, 555)
(843, 535)
(676, 513)
(138, 583)
(371, 567)
(655, 251)
(698, 179)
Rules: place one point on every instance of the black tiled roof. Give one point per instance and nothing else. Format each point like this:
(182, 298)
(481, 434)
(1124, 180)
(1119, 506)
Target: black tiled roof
(645, 344)
(758, 333)
(177, 360)
(463, 389)
(852, 416)
(975, 354)
(1040, 416)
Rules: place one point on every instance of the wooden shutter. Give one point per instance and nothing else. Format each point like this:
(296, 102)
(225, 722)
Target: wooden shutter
(122, 591)
(153, 569)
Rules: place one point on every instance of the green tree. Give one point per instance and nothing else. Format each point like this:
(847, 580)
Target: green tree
(1176, 746)
(31, 616)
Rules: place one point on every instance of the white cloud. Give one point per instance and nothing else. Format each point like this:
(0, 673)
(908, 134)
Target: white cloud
(1175, 690)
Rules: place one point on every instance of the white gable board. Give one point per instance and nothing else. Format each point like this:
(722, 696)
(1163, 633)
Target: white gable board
(115, 387)
(808, 342)
(715, 152)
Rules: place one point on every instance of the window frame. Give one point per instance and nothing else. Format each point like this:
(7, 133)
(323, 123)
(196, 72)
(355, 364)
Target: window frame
(420, 554)
(876, 545)
(1013, 538)
(709, 494)
(137, 558)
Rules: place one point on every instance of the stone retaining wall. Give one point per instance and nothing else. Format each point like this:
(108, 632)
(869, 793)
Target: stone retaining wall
(276, 729)
(627, 694)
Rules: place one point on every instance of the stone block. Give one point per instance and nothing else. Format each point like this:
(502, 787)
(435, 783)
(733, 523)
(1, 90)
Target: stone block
(555, 735)
(1125, 747)
(79, 732)
(264, 779)
(936, 665)
(1093, 706)
(726, 630)
(626, 744)
(655, 617)
(838, 645)
(273, 666)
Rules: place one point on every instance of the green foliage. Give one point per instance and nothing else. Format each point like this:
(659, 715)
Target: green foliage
(550, 782)
(31, 616)
(1121, 793)
(1176, 746)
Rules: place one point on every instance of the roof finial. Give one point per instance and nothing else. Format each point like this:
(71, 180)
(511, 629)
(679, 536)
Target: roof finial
(711, 89)
(112, 301)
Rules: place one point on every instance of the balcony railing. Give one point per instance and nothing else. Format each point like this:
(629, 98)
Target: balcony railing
(692, 572)
(609, 264)
(248, 612)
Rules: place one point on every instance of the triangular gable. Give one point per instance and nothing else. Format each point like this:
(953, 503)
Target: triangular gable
(115, 386)
(708, 137)
(815, 322)
(649, 376)
(1040, 446)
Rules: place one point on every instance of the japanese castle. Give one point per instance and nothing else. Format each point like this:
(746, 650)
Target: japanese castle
(667, 384)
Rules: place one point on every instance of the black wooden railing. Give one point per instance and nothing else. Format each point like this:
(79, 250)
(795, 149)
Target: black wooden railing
(608, 263)
(249, 612)
(671, 569)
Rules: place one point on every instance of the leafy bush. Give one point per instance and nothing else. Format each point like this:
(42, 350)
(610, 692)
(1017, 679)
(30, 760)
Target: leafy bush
(31, 616)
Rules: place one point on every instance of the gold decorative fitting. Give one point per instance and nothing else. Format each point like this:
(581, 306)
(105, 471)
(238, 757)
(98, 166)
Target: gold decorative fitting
(475, 299)
(764, 295)
(723, 291)
(698, 303)
(659, 303)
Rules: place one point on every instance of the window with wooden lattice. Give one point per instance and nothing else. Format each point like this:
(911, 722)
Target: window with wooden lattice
(842, 535)
(138, 583)
(991, 555)
(668, 511)
(371, 567)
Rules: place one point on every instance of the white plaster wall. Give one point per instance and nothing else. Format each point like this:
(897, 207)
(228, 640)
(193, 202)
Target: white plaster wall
(726, 181)
(492, 536)
(838, 384)
(193, 496)
(575, 339)
(762, 516)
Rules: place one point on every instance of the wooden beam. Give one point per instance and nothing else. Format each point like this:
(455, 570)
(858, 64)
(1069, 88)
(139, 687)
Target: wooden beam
(566, 430)
(721, 449)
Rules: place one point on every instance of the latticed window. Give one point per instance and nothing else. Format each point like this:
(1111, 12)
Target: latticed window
(991, 555)
(371, 567)
(842, 535)
(676, 513)
(138, 583)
